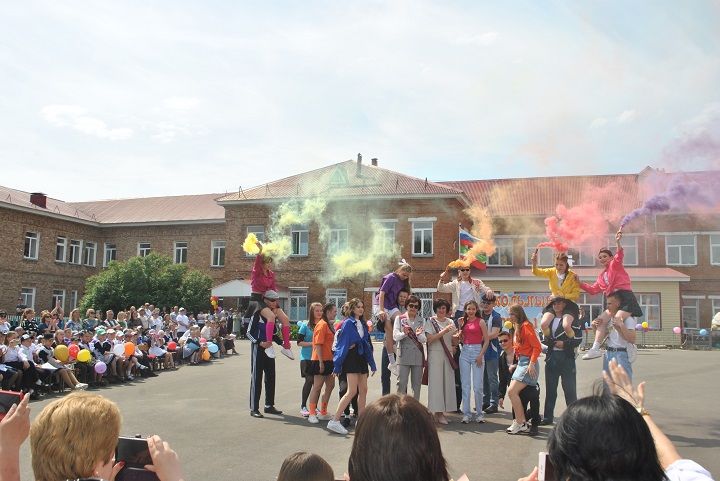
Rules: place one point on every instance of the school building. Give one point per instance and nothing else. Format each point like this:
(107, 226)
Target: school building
(48, 247)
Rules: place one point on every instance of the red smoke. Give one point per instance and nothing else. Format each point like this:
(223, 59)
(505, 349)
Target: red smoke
(582, 225)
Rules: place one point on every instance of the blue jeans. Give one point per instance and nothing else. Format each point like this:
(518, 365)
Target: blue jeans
(470, 372)
(491, 383)
(622, 359)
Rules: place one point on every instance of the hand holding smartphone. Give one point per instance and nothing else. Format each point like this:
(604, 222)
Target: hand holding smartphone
(135, 453)
(7, 399)
(546, 470)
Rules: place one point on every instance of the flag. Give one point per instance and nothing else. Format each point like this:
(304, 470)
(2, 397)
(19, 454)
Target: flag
(465, 243)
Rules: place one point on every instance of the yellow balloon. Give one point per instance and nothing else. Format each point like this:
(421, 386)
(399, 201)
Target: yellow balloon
(206, 355)
(83, 355)
(62, 353)
(645, 325)
(508, 325)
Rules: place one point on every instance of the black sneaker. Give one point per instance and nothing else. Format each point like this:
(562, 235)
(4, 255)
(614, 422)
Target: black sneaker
(345, 422)
(491, 409)
(534, 431)
(545, 422)
(485, 406)
(256, 414)
(272, 410)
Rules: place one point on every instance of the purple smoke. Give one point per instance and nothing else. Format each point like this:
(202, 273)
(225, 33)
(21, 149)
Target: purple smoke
(690, 192)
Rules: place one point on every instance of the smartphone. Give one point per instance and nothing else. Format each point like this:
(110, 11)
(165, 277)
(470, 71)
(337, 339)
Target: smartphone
(134, 452)
(7, 399)
(546, 470)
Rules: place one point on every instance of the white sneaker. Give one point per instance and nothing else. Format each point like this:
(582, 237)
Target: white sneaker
(336, 427)
(480, 419)
(313, 419)
(304, 412)
(287, 353)
(270, 352)
(524, 427)
(394, 369)
(465, 419)
(513, 428)
(324, 417)
(80, 386)
(592, 353)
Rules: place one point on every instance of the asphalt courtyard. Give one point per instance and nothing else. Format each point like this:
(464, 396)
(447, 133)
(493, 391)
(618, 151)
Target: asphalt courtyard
(203, 412)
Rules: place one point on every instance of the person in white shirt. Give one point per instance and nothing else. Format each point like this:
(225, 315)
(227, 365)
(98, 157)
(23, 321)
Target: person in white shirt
(621, 337)
(183, 322)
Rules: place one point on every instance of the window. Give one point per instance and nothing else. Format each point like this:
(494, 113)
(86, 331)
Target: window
(629, 245)
(385, 230)
(181, 249)
(338, 239)
(110, 254)
(61, 249)
(73, 299)
(715, 306)
(259, 231)
(690, 312)
(422, 238)
(426, 302)
(298, 304)
(337, 297)
(32, 243)
(90, 257)
(650, 304)
(300, 242)
(715, 250)
(582, 256)
(218, 253)
(143, 249)
(503, 255)
(75, 251)
(28, 296)
(58, 298)
(545, 254)
(680, 250)
(592, 305)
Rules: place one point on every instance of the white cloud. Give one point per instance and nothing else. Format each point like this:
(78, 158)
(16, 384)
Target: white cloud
(598, 123)
(77, 118)
(626, 116)
(483, 39)
(181, 103)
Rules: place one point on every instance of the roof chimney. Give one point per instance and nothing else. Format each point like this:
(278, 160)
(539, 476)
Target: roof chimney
(359, 166)
(39, 199)
(374, 161)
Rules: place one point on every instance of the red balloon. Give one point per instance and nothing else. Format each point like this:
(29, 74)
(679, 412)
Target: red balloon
(73, 349)
(202, 339)
(172, 345)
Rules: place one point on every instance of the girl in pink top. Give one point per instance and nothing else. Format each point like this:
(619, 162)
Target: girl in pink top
(613, 279)
(474, 336)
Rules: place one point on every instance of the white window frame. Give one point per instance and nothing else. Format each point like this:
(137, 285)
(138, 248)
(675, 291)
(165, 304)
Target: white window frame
(75, 252)
(89, 254)
(338, 239)
(714, 241)
(715, 305)
(629, 244)
(337, 297)
(501, 243)
(681, 260)
(420, 226)
(645, 300)
(385, 229)
(61, 242)
(297, 296)
(73, 299)
(31, 247)
(28, 296)
(144, 251)
(107, 249)
(690, 303)
(585, 256)
(216, 247)
(58, 294)
(297, 233)
(180, 252)
(426, 302)
(259, 231)
(545, 254)
(593, 305)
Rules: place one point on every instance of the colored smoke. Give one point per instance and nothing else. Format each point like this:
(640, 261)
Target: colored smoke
(582, 225)
(483, 230)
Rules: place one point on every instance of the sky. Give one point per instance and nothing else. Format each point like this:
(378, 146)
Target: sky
(103, 100)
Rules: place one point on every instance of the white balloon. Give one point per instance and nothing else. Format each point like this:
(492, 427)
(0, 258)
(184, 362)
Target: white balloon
(119, 350)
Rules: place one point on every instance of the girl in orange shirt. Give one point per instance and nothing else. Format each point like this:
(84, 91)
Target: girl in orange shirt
(528, 349)
(321, 364)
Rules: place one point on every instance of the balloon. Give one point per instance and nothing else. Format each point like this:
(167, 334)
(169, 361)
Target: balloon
(206, 355)
(62, 353)
(83, 355)
(638, 327)
(100, 367)
(119, 350)
(172, 345)
(677, 330)
(213, 348)
(203, 340)
(645, 325)
(74, 349)
(703, 332)
(129, 349)
(508, 325)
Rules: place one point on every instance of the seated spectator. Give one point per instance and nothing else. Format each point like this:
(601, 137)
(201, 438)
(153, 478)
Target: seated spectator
(4, 323)
(47, 356)
(190, 343)
(96, 421)
(631, 446)
(74, 322)
(302, 466)
(405, 424)
(90, 322)
(10, 377)
(28, 321)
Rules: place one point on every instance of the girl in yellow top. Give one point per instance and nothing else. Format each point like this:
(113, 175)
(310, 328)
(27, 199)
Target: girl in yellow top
(564, 284)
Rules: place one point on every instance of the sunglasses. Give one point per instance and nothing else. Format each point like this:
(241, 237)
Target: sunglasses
(463, 270)
(503, 341)
(413, 306)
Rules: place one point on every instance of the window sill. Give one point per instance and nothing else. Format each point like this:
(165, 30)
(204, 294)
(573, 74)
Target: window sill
(300, 256)
(216, 267)
(423, 255)
(30, 258)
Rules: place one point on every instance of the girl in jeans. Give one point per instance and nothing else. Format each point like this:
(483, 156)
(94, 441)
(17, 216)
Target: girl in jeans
(474, 336)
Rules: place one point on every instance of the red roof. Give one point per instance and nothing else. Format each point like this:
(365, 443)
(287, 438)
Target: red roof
(21, 199)
(180, 208)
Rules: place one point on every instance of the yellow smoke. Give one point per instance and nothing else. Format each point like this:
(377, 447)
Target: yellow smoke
(249, 245)
(373, 257)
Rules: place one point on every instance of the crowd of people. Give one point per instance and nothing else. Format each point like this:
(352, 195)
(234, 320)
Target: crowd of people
(53, 352)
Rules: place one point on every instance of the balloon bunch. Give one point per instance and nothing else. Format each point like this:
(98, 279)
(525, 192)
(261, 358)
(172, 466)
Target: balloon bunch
(214, 302)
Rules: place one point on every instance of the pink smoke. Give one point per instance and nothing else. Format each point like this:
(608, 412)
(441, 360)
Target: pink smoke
(582, 225)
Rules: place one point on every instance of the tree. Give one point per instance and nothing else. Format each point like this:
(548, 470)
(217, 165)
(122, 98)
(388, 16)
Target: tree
(154, 279)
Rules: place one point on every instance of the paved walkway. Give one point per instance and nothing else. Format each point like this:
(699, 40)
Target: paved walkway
(202, 411)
